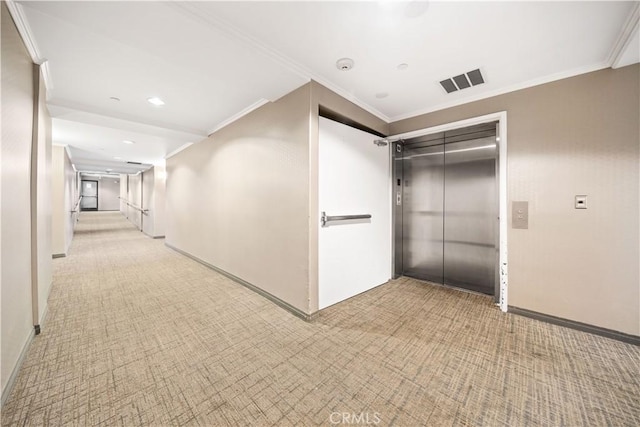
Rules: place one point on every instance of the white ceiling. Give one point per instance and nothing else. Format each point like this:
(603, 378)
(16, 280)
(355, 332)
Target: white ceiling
(213, 61)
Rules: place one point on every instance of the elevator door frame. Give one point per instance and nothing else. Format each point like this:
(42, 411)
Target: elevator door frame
(502, 259)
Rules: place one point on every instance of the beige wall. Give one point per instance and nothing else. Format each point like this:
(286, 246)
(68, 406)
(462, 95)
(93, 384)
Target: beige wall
(134, 197)
(148, 198)
(246, 199)
(42, 201)
(145, 190)
(124, 183)
(574, 136)
(15, 250)
(239, 200)
(108, 192)
(153, 200)
(64, 198)
(159, 200)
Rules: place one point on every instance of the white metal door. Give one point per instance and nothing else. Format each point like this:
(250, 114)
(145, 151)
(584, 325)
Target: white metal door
(354, 179)
(89, 193)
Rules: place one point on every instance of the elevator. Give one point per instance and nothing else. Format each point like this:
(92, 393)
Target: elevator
(446, 204)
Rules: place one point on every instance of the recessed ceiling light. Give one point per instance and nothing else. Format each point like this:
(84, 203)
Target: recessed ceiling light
(381, 95)
(128, 141)
(117, 158)
(155, 101)
(344, 64)
(403, 66)
(108, 170)
(114, 98)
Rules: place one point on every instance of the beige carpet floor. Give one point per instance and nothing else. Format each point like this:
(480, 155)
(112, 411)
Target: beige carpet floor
(140, 335)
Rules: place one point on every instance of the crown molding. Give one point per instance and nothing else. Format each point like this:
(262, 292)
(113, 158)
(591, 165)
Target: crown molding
(238, 115)
(625, 36)
(508, 89)
(22, 24)
(46, 75)
(20, 19)
(191, 9)
(179, 149)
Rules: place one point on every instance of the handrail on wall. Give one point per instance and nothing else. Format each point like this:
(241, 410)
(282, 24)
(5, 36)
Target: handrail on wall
(144, 211)
(75, 208)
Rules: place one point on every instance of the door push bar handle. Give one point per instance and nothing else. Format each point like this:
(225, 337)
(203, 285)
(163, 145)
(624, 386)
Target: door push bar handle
(324, 218)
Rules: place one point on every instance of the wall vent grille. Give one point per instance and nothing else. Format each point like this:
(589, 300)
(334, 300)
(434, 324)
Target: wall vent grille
(463, 81)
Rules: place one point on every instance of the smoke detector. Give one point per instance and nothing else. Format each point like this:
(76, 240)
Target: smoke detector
(344, 64)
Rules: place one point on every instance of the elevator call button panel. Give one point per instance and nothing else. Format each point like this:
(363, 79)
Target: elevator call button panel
(520, 215)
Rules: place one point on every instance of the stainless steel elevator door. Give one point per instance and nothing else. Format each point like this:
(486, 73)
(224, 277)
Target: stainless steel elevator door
(446, 220)
(470, 214)
(422, 212)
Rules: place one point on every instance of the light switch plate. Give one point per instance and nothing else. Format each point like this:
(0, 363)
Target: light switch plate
(520, 215)
(581, 202)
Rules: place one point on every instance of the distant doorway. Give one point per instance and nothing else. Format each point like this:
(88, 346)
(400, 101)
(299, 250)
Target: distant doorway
(89, 193)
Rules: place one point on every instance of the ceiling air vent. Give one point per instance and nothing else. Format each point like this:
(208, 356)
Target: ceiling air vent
(134, 163)
(448, 85)
(463, 81)
(475, 77)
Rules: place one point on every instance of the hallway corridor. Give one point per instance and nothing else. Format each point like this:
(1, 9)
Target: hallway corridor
(137, 334)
